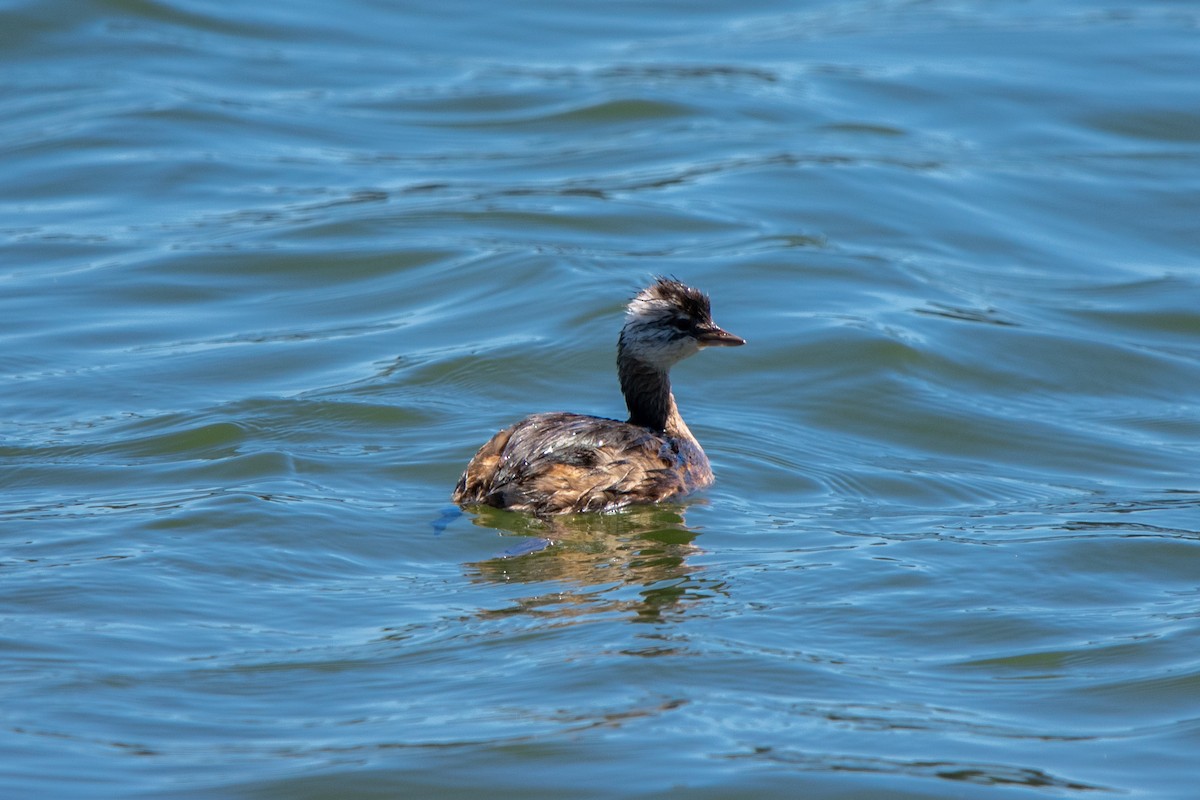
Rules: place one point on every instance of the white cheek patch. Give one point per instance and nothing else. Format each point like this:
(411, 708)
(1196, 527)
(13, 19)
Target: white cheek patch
(679, 349)
(654, 342)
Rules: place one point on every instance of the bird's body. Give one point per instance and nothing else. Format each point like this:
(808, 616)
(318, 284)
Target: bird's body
(561, 462)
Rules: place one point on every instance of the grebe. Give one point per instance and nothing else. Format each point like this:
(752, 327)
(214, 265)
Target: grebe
(561, 462)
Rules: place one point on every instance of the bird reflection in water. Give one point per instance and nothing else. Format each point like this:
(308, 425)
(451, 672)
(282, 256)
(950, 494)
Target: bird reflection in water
(635, 561)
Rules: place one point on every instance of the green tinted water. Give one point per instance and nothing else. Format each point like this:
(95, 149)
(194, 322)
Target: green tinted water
(272, 275)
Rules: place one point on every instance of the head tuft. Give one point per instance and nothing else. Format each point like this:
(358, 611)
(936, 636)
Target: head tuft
(668, 298)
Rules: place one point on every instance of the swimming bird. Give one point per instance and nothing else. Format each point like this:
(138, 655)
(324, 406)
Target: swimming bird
(560, 462)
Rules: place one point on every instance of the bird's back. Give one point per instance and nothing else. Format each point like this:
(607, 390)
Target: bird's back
(561, 462)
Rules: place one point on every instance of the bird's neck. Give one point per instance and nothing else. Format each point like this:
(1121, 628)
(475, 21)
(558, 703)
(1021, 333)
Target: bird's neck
(647, 391)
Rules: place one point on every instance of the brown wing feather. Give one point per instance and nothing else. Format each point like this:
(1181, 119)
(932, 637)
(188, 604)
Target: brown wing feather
(556, 463)
(475, 482)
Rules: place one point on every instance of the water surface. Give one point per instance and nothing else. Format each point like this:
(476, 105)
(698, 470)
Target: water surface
(272, 274)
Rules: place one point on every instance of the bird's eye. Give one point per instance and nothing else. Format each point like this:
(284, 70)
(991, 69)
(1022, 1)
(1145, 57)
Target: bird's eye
(681, 324)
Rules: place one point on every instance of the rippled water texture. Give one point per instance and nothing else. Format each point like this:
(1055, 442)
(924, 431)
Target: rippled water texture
(272, 272)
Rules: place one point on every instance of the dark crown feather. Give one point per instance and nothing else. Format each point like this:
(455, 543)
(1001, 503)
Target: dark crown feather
(670, 291)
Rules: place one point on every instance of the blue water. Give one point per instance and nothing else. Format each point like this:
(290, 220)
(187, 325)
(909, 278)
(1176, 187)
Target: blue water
(271, 274)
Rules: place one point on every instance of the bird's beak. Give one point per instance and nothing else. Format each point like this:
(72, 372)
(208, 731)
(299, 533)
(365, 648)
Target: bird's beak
(712, 336)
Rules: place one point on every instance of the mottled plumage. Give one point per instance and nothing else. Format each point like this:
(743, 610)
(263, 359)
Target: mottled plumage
(561, 462)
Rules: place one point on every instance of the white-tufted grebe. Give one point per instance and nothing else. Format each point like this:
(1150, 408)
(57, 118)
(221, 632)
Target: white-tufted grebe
(560, 462)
